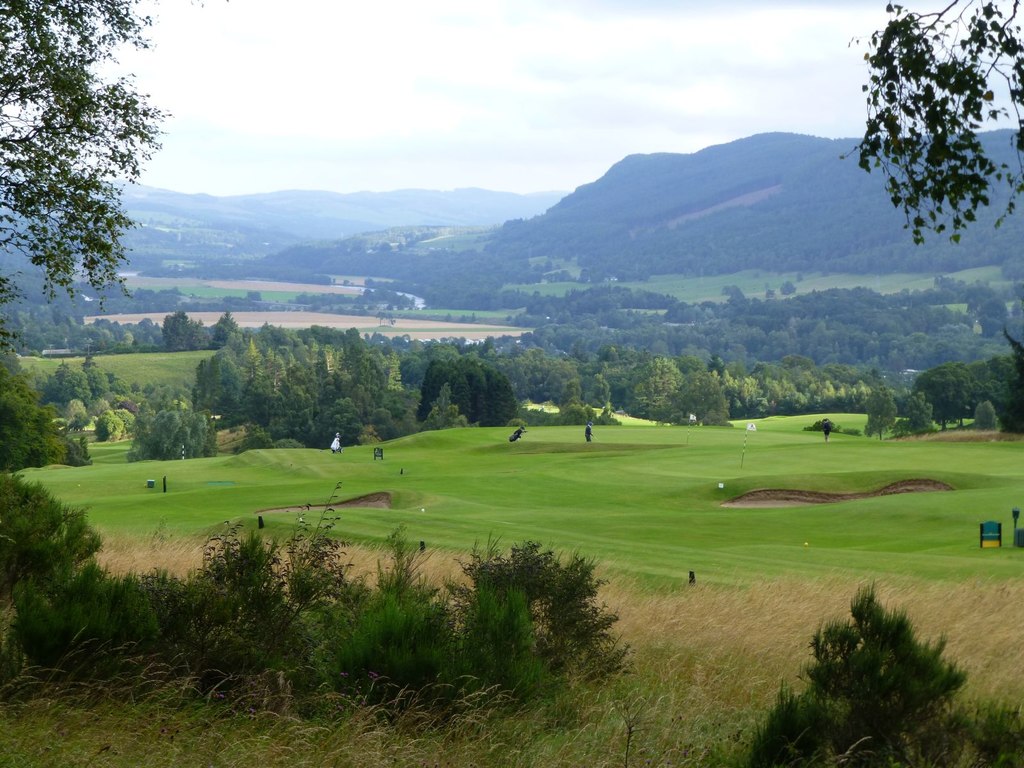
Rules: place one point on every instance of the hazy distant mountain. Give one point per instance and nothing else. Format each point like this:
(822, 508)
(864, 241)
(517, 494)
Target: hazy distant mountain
(184, 226)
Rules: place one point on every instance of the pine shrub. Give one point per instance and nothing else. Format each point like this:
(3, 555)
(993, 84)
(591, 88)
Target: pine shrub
(40, 538)
(572, 631)
(497, 644)
(876, 696)
(401, 641)
(91, 617)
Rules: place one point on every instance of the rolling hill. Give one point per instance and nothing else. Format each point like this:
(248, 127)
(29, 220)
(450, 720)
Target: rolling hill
(778, 202)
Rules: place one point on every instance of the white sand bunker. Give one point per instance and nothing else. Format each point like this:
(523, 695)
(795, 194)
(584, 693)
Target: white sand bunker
(380, 500)
(782, 497)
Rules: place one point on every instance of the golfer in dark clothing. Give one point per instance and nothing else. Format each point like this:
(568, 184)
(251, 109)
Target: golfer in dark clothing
(589, 431)
(826, 427)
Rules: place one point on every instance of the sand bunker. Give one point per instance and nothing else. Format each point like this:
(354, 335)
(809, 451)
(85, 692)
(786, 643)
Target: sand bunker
(380, 500)
(782, 497)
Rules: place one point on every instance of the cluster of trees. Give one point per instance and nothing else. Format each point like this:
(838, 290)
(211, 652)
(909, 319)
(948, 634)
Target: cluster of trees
(480, 393)
(29, 436)
(908, 330)
(301, 387)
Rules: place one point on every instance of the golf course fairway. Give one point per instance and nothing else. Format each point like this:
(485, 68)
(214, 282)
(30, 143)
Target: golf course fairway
(653, 503)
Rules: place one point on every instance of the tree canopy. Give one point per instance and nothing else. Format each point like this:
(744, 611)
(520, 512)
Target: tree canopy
(29, 436)
(69, 133)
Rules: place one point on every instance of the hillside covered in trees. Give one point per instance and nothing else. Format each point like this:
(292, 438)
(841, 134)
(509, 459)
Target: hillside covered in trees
(774, 202)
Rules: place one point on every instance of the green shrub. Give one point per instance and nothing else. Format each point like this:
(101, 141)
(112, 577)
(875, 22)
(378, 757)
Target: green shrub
(997, 735)
(231, 618)
(110, 426)
(497, 646)
(575, 413)
(249, 608)
(792, 734)
(572, 630)
(91, 615)
(985, 416)
(77, 451)
(315, 573)
(40, 538)
(400, 636)
(400, 641)
(876, 696)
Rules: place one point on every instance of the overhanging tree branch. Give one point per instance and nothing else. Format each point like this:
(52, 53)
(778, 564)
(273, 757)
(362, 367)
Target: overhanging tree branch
(68, 136)
(931, 90)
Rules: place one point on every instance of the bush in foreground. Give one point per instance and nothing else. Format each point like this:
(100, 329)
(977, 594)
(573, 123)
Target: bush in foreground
(879, 697)
(40, 538)
(572, 631)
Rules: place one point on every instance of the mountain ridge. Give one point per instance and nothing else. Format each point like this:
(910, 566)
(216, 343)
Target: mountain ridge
(770, 201)
(191, 226)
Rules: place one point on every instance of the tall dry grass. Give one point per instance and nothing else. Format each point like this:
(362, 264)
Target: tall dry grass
(767, 627)
(175, 555)
(761, 632)
(707, 664)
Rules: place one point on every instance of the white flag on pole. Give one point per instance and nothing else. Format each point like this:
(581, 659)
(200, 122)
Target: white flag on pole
(751, 427)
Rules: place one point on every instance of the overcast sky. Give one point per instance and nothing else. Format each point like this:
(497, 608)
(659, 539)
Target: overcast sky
(510, 95)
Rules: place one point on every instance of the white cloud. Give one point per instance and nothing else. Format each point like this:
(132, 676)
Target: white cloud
(505, 95)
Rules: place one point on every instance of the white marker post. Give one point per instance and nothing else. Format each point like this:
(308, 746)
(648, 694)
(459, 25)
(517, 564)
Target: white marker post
(751, 427)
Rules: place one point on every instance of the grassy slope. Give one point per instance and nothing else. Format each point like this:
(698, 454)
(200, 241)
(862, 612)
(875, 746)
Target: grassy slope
(172, 368)
(644, 501)
(753, 282)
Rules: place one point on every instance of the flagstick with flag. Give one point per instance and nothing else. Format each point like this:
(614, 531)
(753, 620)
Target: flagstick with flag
(751, 427)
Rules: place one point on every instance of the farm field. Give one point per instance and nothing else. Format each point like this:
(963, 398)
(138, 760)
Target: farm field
(144, 368)
(753, 283)
(414, 328)
(275, 288)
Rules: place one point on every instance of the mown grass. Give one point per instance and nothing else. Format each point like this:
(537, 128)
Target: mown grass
(645, 503)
